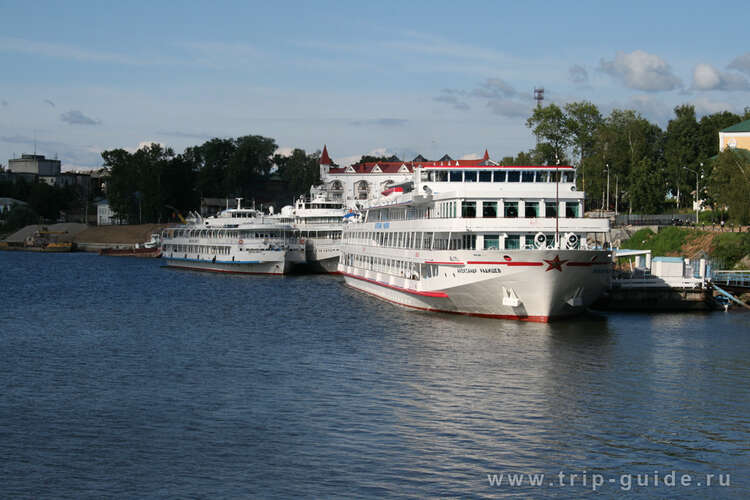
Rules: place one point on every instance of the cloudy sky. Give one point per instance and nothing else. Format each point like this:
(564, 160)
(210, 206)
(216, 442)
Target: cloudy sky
(403, 77)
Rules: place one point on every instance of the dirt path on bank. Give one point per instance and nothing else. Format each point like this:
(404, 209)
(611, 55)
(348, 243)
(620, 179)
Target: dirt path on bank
(129, 234)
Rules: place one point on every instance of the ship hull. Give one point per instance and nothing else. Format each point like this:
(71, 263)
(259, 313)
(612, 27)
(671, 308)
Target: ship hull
(265, 264)
(531, 286)
(322, 255)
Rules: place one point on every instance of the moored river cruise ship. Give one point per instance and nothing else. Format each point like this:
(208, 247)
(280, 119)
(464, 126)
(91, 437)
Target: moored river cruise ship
(239, 240)
(487, 240)
(319, 222)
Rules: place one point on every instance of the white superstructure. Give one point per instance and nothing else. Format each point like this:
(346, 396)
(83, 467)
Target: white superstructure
(319, 222)
(481, 239)
(235, 241)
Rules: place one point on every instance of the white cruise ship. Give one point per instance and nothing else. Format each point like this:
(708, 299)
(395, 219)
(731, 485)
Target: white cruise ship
(319, 222)
(239, 240)
(480, 239)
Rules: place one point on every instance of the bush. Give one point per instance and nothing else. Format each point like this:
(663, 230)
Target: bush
(730, 248)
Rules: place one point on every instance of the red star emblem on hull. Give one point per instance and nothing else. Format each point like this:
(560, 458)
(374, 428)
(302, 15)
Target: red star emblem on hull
(555, 263)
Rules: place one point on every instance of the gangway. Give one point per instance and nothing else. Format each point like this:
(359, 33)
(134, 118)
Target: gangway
(730, 296)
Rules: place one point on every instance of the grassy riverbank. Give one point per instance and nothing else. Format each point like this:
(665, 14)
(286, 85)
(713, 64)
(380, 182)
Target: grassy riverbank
(728, 248)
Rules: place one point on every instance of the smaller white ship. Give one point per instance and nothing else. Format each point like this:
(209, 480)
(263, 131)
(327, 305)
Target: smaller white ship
(318, 220)
(238, 240)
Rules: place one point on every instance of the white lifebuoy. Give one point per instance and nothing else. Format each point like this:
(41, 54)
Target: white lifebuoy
(242, 241)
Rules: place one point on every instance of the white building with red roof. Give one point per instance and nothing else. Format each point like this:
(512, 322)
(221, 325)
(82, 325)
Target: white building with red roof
(361, 181)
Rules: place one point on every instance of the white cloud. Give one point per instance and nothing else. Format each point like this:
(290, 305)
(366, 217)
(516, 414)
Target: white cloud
(472, 156)
(144, 145)
(706, 77)
(741, 63)
(642, 71)
(450, 98)
(65, 51)
(706, 106)
(75, 117)
(578, 74)
(510, 108)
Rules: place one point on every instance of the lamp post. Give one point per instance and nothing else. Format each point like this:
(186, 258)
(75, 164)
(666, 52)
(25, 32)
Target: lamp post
(608, 187)
(696, 172)
(606, 169)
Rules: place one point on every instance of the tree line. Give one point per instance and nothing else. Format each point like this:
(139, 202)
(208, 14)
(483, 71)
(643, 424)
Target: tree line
(649, 170)
(146, 185)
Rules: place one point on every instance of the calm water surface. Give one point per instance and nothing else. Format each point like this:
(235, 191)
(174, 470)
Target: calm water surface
(125, 379)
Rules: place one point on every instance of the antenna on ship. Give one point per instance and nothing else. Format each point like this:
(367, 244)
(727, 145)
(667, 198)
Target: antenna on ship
(238, 203)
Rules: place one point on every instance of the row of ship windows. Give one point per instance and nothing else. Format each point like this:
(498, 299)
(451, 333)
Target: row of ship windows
(470, 209)
(497, 176)
(448, 241)
(197, 249)
(328, 235)
(222, 233)
(395, 267)
(318, 220)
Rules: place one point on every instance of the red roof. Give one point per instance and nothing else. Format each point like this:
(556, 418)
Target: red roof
(394, 167)
(324, 158)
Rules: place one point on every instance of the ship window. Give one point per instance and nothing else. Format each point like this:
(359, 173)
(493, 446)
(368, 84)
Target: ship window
(531, 209)
(441, 176)
(498, 176)
(469, 241)
(485, 176)
(527, 176)
(550, 209)
(491, 242)
(513, 242)
(469, 209)
(470, 176)
(514, 176)
(568, 176)
(456, 176)
(489, 209)
(571, 209)
(511, 209)
(541, 176)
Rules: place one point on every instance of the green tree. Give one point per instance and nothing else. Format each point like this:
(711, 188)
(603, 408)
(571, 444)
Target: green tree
(582, 120)
(646, 187)
(550, 125)
(708, 132)
(622, 140)
(250, 165)
(210, 161)
(299, 171)
(681, 148)
(729, 184)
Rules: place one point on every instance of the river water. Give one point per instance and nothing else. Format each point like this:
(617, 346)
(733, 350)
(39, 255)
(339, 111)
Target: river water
(125, 379)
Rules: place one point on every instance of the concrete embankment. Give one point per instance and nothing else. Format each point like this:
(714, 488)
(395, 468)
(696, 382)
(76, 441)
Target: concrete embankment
(91, 238)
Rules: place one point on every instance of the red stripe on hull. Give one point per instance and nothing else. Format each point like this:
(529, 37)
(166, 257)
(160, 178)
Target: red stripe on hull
(532, 319)
(504, 263)
(440, 295)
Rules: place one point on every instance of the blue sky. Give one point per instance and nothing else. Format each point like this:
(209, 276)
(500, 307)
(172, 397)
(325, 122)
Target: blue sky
(396, 77)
